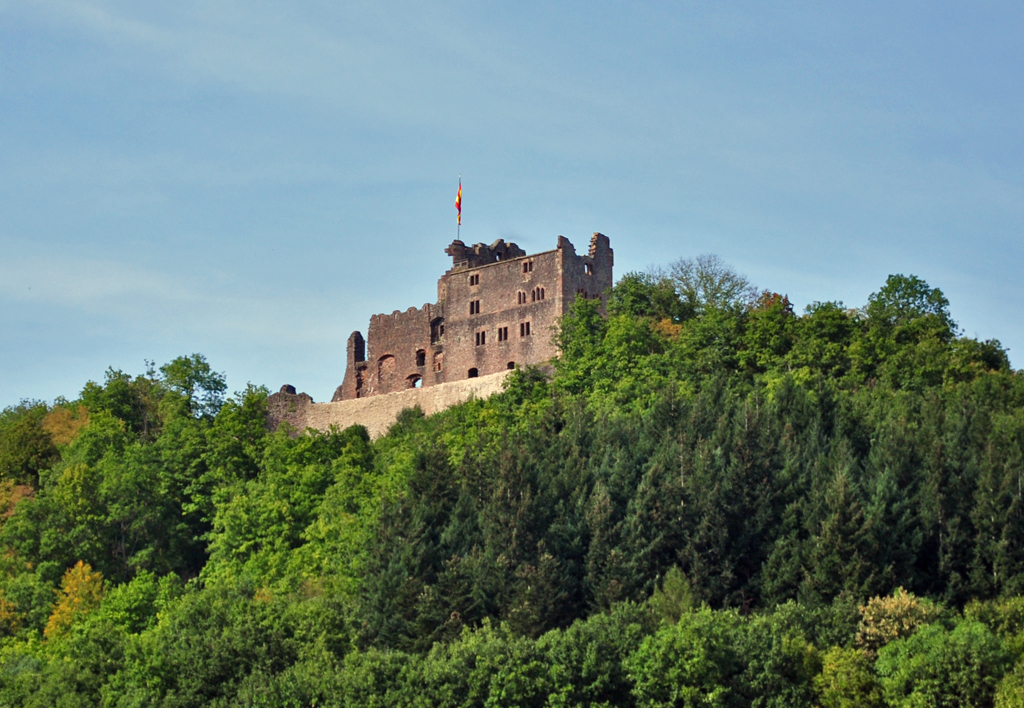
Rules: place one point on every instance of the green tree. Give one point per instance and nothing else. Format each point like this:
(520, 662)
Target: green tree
(674, 597)
(133, 400)
(650, 295)
(203, 648)
(26, 449)
(937, 667)
(1010, 691)
(693, 663)
(199, 386)
(586, 660)
(779, 663)
(847, 680)
(905, 298)
(1004, 617)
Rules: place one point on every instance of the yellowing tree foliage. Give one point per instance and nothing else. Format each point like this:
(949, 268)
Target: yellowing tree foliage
(10, 495)
(64, 423)
(81, 591)
(10, 619)
(886, 619)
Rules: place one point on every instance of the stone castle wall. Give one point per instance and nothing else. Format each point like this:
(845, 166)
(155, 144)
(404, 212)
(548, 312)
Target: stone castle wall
(377, 413)
(497, 309)
(514, 333)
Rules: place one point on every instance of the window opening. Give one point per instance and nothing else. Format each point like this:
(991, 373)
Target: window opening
(386, 371)
(510, 365)
(524, 329)
(521, 297)
(414, 381)
(474, 279)
(474, 307)
(436, 330)
(502, 334)
(589, 268)
(472, 373)
(527, 266)
(481, 338)
(421, 358)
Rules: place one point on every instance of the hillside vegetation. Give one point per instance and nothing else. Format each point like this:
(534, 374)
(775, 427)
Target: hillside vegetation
(714, 501)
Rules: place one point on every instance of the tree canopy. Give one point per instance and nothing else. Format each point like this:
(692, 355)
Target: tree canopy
(713, 501)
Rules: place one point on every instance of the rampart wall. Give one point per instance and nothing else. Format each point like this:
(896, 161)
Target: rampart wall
(377, 413)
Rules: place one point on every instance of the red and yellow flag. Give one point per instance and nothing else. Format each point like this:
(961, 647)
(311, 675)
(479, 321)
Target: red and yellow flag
(458, 202)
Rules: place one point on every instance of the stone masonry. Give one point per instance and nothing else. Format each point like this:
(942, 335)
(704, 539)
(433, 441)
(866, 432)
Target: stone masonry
(377, 413)
(496, 309)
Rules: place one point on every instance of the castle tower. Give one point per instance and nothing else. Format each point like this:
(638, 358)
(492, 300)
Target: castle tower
(497, 309)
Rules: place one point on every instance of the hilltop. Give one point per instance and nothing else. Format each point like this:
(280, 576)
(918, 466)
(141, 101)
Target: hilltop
(712, 501)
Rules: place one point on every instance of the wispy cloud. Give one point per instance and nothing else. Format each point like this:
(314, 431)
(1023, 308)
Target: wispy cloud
(233, 170)
(411, 65)
(119, 292)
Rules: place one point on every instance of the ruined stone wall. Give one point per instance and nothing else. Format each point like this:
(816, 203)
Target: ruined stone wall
(377, 413)
(398, 354)
(399, 350)
(355, 369)
(588, 275)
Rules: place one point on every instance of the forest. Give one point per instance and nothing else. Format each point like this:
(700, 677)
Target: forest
(708, 500)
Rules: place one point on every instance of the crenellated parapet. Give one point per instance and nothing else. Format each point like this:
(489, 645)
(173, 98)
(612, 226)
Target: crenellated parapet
(478, 254)
(412, 317)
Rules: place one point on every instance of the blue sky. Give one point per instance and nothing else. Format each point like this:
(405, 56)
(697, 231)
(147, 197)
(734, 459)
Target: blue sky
(252, 181)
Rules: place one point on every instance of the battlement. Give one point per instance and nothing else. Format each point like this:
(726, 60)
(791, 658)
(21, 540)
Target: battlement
(400, 318)
(465, 257)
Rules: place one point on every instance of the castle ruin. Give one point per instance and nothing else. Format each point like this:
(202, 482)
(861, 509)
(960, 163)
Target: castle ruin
(496, 310)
